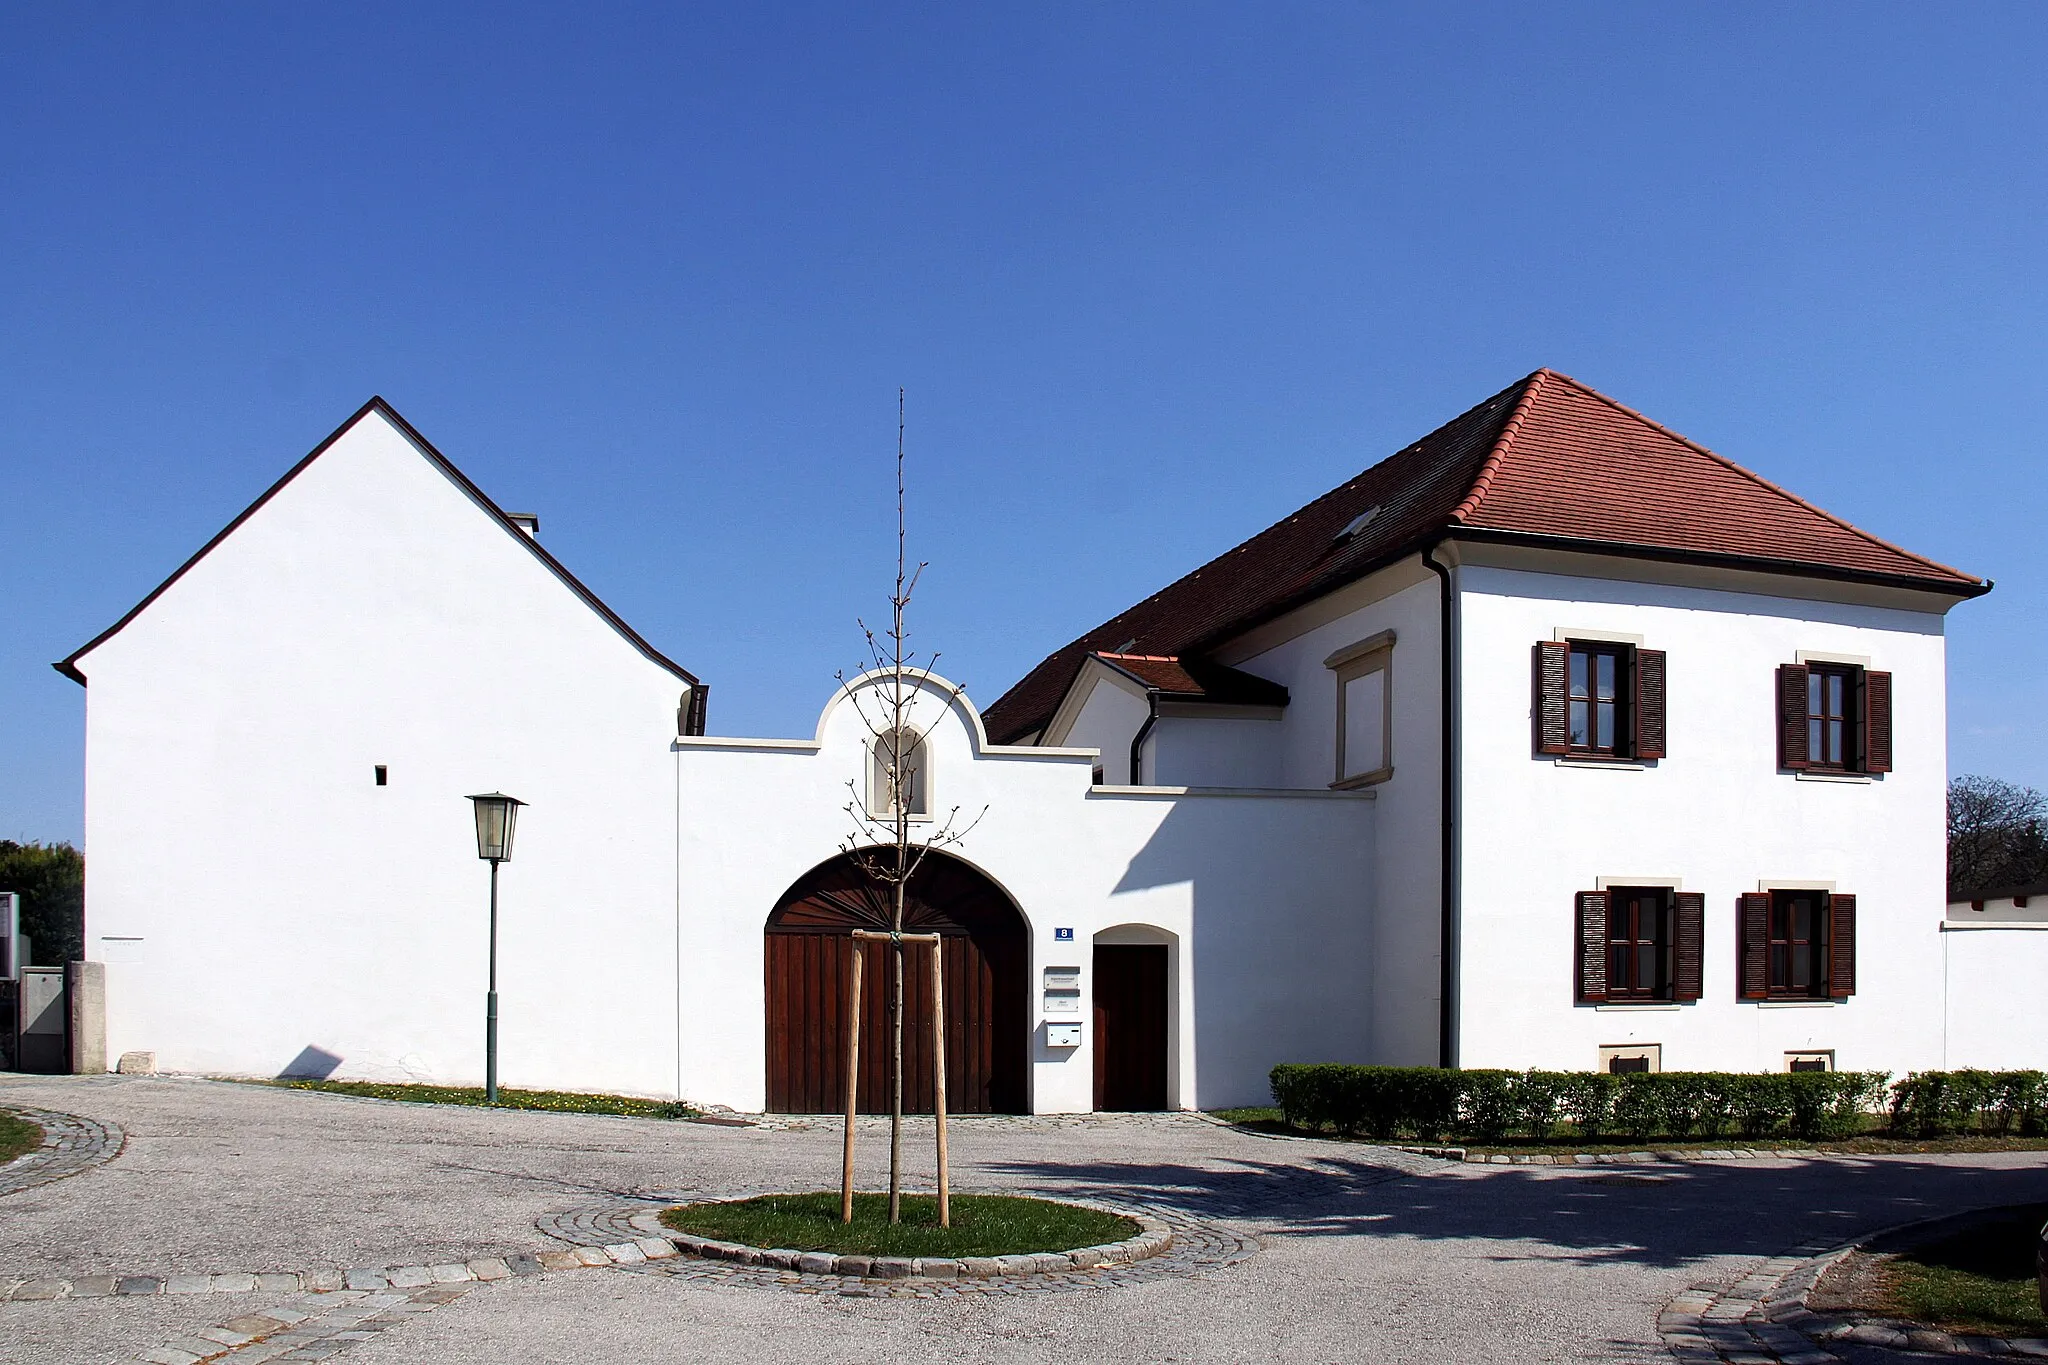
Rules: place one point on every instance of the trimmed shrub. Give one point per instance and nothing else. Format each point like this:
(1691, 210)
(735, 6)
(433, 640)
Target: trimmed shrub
(1429, 1104)
(2001, 1103)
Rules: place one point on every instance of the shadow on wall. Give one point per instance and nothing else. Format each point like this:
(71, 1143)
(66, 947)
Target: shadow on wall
(312, 1064)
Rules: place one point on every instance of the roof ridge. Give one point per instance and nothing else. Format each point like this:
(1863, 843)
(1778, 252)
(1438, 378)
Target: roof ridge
(1755, 477)
(1483, 480)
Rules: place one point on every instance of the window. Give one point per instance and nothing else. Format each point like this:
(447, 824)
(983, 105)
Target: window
(1599, 699)
(1365, 709)
(1621, 1059)
(1834, 717)
(381, 774)
(1829, 726)
(1639, 943)
(1798, 944)
(1596, 716)
(1810, 1061)
(898, 761)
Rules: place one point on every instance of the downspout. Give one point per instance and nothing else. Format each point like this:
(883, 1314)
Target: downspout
(1138, 744)
(1447, 985)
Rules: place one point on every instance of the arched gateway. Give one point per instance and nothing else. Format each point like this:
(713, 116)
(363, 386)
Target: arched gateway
(809, 952)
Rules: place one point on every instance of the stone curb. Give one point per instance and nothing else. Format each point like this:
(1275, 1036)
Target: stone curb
(356, 1278)
(1153, 1237)
(1624, 1158)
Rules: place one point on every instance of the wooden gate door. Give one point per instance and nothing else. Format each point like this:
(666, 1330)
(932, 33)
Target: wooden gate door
(1130, 1026)
(809, 950)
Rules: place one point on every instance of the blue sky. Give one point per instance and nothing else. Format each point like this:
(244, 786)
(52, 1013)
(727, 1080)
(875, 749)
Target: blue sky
(1153, 277)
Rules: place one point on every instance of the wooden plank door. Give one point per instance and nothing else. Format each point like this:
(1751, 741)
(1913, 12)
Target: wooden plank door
(1130, 1026)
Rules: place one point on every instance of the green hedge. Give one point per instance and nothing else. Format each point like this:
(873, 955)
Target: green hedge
(1428, 1104)
(2003, 1103)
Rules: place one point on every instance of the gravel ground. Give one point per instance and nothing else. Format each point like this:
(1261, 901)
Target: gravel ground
(1369, 1255)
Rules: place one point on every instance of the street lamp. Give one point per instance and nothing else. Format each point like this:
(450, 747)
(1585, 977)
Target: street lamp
(496, 814)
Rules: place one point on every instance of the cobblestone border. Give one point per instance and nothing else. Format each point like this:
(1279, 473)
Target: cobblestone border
(1189, 1247)
(70, 1144)
(1152, 1238)
(1761, 1317)
(326, 1281)
(311, 1327)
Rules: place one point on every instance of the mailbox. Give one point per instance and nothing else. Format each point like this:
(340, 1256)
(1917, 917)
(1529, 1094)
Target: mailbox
(1063, 993)
(1063, 1035)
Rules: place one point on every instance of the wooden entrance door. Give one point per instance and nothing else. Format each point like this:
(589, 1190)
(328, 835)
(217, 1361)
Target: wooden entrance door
(1130, 1026)
(809, 951)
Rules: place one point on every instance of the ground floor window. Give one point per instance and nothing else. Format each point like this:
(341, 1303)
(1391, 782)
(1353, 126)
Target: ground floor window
(1798, 943)
(1639, 937)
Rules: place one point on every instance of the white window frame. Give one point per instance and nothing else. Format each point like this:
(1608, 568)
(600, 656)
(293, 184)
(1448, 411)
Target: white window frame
(1374, 654)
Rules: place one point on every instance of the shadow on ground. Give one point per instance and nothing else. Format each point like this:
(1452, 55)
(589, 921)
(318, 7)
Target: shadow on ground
(1660, 1216)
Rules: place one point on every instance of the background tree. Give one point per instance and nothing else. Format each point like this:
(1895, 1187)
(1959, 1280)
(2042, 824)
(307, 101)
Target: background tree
(50, 879)
(885, 842)
(1997, 835)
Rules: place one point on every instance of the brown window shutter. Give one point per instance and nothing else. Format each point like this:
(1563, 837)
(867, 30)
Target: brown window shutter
(1877, 722)
(1754, 948)
(1688, 963)
(1553, 657)
(1649, 708)
(1592, 907)
(1792, 716)
(1841, 946)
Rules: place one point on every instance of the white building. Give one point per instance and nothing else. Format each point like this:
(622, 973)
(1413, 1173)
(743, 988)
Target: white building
(1552, 740)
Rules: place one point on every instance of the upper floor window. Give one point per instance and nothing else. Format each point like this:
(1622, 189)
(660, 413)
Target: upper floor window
(897, 774)
(1365, 710)
(1599, 699)
(1798, 944)
(1834, 717)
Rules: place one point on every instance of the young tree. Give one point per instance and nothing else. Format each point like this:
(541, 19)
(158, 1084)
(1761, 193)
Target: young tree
(1997, 834)
(887, 841)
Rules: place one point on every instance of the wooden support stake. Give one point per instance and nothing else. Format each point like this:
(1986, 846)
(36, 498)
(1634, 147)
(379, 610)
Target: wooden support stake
(852, 1084)
(939, 1068)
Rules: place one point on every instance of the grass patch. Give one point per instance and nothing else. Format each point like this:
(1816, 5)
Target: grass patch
(1978, 1280)
(18, 1137)
(983, 1225)
(558, 1101)
(1876, 1141)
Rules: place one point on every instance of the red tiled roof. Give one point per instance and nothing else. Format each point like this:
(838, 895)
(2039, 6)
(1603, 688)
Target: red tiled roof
(1546, 458)
(1197, 679)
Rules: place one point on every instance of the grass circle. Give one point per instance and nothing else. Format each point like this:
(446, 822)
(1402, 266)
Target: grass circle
(18, 1136)
(983, 1225)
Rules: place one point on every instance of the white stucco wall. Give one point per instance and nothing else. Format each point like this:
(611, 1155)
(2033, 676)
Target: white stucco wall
(1995, 963)
(254, 893)
(1407, 824)
(1269, 947)
(1716, 814)
(1111, 715)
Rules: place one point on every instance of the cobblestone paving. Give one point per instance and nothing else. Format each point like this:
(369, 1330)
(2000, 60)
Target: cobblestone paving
(311, 1327)
(70, 1144)
(1761, 1318)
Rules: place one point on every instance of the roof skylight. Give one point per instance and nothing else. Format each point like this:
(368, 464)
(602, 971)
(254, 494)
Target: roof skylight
(1359, 522)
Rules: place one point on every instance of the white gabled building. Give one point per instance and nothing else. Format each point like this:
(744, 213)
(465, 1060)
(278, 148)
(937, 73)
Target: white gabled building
(1552, 740)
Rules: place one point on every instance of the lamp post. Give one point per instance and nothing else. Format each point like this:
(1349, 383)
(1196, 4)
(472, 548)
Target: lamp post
(496, 814)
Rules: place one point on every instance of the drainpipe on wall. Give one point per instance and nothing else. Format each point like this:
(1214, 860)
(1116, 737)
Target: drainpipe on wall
(1138, 744)
(1447, 985)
